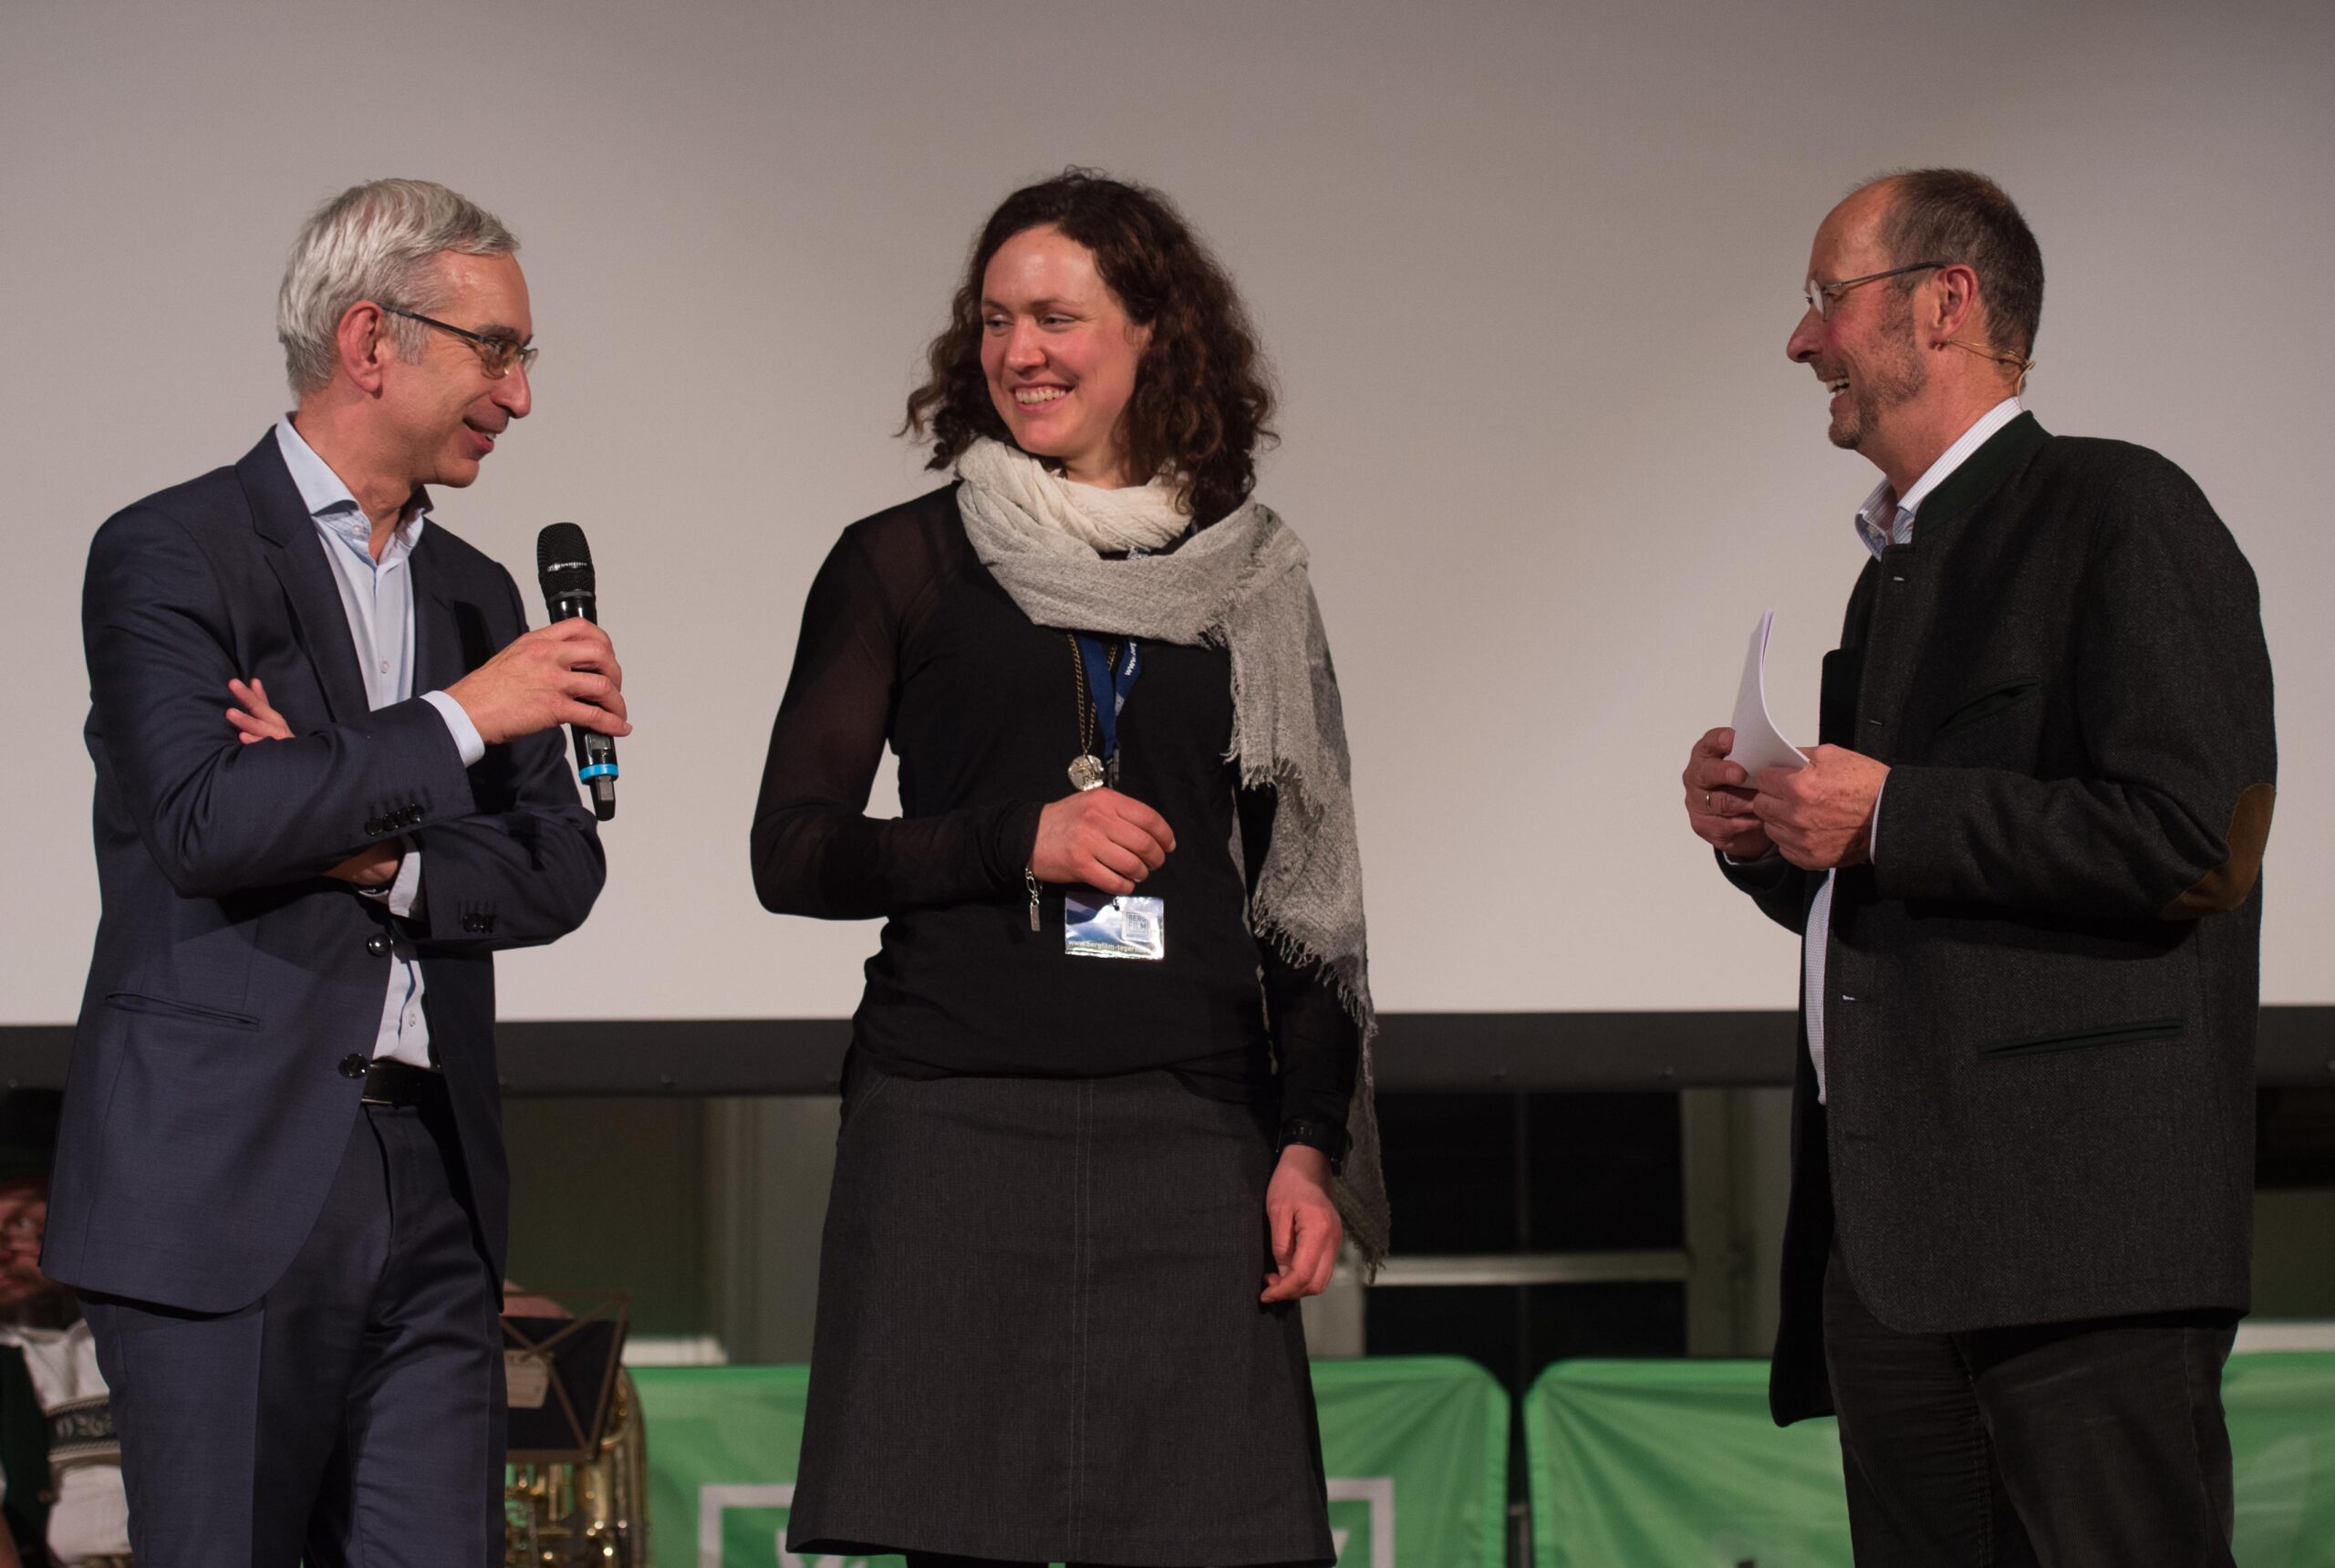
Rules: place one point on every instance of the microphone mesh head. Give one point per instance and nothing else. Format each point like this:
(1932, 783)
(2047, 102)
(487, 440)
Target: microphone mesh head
(561, 548)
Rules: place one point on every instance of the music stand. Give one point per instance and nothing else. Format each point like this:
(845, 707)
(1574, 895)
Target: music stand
(562, 1377)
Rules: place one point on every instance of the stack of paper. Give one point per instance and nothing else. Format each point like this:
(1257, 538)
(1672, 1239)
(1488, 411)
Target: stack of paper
(1758, 742)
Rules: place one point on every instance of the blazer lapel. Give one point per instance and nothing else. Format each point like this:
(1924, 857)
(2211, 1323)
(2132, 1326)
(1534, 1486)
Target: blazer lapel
(445, 627)
(297, 556)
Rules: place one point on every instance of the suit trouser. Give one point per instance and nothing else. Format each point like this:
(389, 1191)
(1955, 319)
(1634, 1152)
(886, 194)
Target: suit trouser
(354, 1415)
(2060, 1445)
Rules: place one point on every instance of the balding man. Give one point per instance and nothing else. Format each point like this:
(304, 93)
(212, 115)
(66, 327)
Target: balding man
(2025, 862)
(329, 786)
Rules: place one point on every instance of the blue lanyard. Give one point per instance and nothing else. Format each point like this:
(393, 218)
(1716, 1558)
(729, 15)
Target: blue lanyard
(1104, 679)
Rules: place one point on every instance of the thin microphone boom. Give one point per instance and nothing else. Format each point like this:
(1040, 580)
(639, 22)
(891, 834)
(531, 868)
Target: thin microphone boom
(564, 567)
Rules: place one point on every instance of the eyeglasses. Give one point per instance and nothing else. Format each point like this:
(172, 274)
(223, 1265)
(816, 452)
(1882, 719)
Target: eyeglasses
(1821, 295)
(495, 352)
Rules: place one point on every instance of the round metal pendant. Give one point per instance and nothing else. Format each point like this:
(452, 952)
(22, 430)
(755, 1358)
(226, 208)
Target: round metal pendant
(1087, 773)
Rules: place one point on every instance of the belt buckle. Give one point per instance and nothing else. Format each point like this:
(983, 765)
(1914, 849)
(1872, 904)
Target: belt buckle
(386, 1096)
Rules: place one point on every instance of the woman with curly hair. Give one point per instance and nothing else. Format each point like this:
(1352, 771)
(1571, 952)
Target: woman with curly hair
(1076, 1200)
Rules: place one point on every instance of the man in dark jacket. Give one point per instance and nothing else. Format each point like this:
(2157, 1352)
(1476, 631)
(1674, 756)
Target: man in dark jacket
(329, 785)
(2025, 862)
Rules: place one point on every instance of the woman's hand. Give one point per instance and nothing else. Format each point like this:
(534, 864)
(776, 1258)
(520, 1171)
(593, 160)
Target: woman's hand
(1306, 1229)
(1102, 838)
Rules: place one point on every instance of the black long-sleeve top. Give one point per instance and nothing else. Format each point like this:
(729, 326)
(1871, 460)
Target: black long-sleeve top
(906, 637)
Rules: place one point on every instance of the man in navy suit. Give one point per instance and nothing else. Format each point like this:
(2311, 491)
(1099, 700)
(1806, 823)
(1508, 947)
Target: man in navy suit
(280, 1185)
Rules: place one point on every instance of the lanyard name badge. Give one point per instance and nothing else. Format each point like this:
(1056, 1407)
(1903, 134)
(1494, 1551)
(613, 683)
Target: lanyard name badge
(1128, 926)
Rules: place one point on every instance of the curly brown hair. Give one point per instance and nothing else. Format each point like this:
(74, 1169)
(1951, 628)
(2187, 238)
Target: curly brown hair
(1202, 394)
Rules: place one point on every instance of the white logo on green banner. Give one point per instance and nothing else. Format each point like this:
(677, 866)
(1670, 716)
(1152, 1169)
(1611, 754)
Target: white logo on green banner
(1362, 1514)
(733, 1522)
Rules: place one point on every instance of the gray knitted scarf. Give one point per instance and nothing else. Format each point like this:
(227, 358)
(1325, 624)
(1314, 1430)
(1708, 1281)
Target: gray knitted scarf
(1240, 584)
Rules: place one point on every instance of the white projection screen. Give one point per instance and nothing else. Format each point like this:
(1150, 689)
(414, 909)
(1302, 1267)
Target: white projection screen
(1525, 271)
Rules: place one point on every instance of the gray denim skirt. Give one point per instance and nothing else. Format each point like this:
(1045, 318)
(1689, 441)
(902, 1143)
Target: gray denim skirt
(1039, 1337)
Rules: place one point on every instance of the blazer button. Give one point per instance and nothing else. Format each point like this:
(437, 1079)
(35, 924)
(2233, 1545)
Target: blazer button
(412, 817)
(352, 1066)
(378, 945)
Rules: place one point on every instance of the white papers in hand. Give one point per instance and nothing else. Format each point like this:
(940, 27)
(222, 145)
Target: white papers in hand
(1758, 744)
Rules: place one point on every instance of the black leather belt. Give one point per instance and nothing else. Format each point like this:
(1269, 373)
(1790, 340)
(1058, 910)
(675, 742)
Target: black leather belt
(388, 1083)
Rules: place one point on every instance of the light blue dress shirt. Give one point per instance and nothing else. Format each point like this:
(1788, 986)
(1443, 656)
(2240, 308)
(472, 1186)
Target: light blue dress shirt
(378, 596)
(1877, 535)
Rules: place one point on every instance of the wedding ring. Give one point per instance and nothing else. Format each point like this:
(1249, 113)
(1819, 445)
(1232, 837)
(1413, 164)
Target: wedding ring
(1707, 807)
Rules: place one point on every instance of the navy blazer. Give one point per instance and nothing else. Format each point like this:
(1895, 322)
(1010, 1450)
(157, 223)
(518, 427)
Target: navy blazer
(236, 990)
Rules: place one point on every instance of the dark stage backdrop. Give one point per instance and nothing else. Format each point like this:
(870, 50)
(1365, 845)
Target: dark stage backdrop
(1513, 1053)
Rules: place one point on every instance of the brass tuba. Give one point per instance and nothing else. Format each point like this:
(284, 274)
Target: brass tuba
(576, 1490)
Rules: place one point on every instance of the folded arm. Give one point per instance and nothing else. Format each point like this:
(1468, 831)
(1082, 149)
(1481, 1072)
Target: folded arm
(220, 816)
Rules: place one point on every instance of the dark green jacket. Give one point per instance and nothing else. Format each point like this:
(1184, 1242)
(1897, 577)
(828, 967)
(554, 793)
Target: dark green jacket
(2040, 997)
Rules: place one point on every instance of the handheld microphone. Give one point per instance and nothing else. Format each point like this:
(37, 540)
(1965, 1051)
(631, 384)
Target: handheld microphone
(564, 567)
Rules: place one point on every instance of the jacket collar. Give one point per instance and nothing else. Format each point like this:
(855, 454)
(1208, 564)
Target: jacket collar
(278, 513)
(1962, 492)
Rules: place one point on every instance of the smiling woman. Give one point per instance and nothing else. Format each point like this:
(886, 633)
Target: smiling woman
(1076, 1203)
(1072, 279)
(1058, 355)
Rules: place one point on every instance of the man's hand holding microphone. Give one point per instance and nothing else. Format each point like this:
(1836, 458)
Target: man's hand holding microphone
(564, 673)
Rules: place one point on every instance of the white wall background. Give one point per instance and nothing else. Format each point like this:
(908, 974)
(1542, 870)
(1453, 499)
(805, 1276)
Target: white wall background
(1526, 271)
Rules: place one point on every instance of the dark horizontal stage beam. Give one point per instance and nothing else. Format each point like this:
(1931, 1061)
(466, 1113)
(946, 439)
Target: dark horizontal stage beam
(1495, 1052)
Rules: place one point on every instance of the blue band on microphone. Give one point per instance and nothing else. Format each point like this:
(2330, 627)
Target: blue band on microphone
(595, 770)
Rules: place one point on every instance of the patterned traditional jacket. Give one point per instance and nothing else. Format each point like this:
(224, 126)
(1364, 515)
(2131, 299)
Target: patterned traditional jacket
(2040, 998)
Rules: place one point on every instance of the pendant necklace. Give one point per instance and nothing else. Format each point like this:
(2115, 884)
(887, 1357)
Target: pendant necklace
(1087, 768)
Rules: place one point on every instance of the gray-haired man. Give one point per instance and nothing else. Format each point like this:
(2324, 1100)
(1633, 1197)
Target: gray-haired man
(280, 1185)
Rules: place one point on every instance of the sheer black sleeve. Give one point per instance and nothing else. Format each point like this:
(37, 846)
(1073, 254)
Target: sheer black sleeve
(814, 851)
(1316, 1038)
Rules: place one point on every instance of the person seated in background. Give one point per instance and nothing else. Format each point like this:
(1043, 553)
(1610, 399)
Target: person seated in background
(63, 1502)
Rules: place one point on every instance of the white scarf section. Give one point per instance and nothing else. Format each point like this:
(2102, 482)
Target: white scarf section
(1139, 517)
